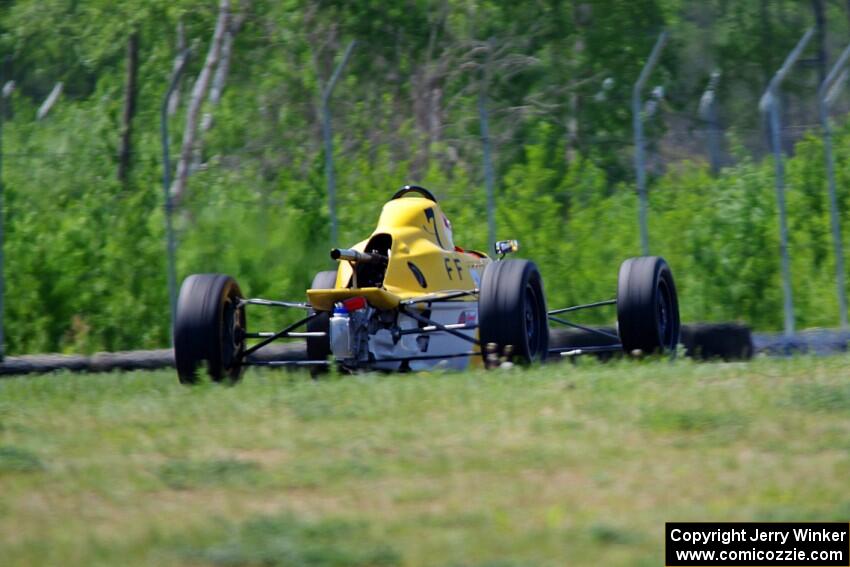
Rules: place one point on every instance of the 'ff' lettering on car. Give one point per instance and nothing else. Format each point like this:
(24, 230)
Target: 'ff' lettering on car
(458, 268)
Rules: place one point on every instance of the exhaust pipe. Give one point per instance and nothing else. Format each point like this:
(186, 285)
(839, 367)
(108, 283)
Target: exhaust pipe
(350, 255)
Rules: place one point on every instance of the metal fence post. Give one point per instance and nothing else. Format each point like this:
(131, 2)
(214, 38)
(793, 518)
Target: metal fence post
(637, 121)
(327, 134)
(708, 114)
(770, 103)
(489, 177)
(823, 110)
(166, 188)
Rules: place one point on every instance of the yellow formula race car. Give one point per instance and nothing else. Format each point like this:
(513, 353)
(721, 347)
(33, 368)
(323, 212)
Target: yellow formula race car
(407, 298)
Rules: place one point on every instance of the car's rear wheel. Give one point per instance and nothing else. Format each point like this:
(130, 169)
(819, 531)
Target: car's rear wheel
(512, 311)
(209, 328)
(319, 348)
(647, 306)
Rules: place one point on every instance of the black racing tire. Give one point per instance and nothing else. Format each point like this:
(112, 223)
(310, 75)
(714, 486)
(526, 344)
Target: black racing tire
(209, 328)
(512, 311)
(647, 306)
(319, 348)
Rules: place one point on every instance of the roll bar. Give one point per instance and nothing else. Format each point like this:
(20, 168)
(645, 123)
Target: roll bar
(414, 189)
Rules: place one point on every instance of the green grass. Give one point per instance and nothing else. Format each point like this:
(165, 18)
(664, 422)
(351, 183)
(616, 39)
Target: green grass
(577, 465)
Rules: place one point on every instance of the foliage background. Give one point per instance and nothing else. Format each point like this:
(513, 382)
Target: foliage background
(85, 262)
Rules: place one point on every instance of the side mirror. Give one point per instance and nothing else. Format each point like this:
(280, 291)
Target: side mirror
(506, 247)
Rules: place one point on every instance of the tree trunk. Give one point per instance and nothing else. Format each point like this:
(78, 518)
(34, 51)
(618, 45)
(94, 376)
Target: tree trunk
(174, 99)
(820, 22)
(8, 88)
(219, 79)
(199, 91)
(125, 151)
(427, 95)
(581, 18)
(766, 41)
(49, 101)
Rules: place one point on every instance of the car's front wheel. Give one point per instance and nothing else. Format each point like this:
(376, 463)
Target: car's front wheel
(512, 310)
(209, 328)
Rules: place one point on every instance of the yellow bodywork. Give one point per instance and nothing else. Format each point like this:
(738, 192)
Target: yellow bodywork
(421, 235)
(324, 299)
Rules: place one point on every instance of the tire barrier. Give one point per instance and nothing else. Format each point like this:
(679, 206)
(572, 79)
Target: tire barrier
(724, 341)
(126, 361)
(703, 341)
(810, 341)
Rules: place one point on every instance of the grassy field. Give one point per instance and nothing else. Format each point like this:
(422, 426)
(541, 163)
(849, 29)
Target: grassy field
(563, 465)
